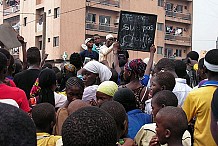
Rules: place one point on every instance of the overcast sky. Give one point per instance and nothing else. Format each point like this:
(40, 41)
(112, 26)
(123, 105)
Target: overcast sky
(205, 24)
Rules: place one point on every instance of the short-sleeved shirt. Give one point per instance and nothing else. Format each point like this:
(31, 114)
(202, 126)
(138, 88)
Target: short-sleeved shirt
(7, 92)
(92, 55)
(214, 104)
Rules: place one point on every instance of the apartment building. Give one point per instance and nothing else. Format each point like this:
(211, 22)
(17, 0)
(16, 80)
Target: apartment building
(62, 25)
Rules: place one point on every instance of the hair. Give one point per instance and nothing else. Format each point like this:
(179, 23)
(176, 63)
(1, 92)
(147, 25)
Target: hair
(43, 115)
(211, 57)
(193, 55)
(11, 67)
(47, 79)
(114, 76)
(56, 69)
(180, 67)
(165, 64)
(175, 120)
(117, 111)
(165, 97)
(16, 126)
(89, 126)
(33, 56)
(201, 63)
(18, 67)
(74, 81)
(76, 60)
(3, 62)
(126, 97)
(6, 53)
(166, 79)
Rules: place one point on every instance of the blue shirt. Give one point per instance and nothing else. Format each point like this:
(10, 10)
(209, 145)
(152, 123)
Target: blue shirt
(93, 55)
(145, 79)
(136, 119)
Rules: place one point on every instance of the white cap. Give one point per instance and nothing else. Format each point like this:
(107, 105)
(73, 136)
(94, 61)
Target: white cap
(87, 40)
(109, 36)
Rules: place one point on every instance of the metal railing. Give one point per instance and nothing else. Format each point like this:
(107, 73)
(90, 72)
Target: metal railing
(115, 3)
(101, 27)
(11, 9)
(178, 38)
(178, 15)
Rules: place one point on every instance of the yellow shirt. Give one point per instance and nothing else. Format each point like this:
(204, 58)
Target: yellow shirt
(198, 104)
(45, 139)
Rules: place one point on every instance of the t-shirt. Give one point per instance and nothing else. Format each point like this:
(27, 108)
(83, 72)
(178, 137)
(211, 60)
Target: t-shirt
(92, 55)
(214, 104)
(198, 104)
(25, 80)
(45, 139)
(7, 92)
(136, 119)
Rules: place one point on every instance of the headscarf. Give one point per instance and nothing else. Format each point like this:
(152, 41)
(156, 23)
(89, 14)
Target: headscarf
(108, 87)
(98, 68)
(89, 93)
(137, 66)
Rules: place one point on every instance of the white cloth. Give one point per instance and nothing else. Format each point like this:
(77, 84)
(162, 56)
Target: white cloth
(60, 99)
(9, 101)
(105, 52)
(181, 90)
(100, 69)
(148, 109)
(90, 93)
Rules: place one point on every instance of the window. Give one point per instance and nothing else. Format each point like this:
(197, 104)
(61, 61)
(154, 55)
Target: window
(56, 12)
(168, 52)
(49, 39)
(160, 26)
(91, 17)
(56, 41)
(49, 11)
(104, 22)
(25, 21)
(179, 8)
(178, 53)
(169, 6)
(160, 3)
(159, 50)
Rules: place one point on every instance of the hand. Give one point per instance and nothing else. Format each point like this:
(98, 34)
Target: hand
(154, 141)
(128, 142)
(20, 39)
(116, 47)
(153, 49)
(45, 57)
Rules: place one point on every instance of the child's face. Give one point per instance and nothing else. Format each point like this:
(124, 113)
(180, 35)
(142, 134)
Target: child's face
(155, 87)
(161, 131)
(74, 93)
(155, 108)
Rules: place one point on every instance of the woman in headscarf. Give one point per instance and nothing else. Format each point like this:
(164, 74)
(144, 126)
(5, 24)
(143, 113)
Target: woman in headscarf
(95, 73)
(74, 91)
(47, 84)
(133, 71)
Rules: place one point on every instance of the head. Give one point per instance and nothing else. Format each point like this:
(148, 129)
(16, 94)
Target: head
(95, 73)
(89, 93)
(162, 81)
(211, 64)
(89, 43)
(18, 66)
(56, 69)
(7, 54)
(162, 99)
(125, 97)
(134, 70)
(3, 65)
(193, 55)
(76, 60)
(47, 65)
(74, 89)
(106, 91)
(20, 122)
(164, 64)
(44, 117)
(117, 111)
(171, 123)
(75, 105)
(97, 39)
(109, 40)
(200, 71)
(180, 67)
(33, 56)
(89, 126)
(11, 67)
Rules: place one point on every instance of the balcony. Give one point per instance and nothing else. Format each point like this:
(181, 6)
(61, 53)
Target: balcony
(178, 17)
(177, 40)
(101, 28)
(11, 10)
(114, 3)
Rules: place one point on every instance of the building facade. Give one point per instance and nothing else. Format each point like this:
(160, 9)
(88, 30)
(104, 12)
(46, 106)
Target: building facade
(66, 23)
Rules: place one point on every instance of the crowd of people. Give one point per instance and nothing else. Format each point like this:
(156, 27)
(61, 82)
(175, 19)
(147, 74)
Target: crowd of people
(101, 97)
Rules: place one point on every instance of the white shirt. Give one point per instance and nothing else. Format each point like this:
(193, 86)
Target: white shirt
(148, 109)
(104, 53)
(60, 99)
(181, 90)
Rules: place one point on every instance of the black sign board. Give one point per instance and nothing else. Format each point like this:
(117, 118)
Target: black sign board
(136, 31)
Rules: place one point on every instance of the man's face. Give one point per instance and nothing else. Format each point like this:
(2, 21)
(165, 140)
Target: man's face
(155, 87)
(161, 131)
(97, 40)
(155, 108)
(90, 44)
(110, 41)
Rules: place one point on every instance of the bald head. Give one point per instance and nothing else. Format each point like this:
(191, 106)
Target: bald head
(75, 105)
